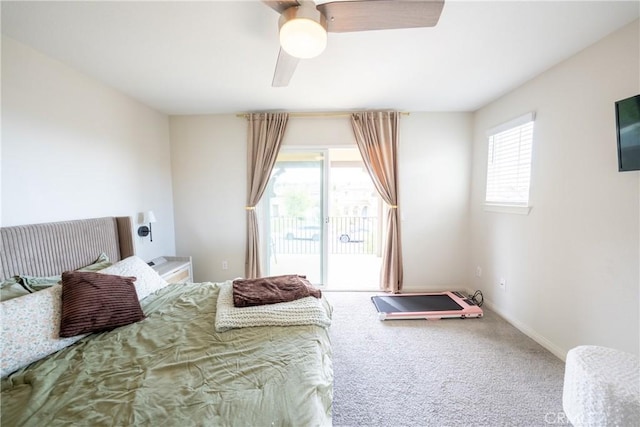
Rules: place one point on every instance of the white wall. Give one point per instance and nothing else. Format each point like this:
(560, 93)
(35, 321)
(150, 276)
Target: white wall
(73, 148)
(208, 156)
(435, 164)
(209, 173)
(571, 265)
(318, 132)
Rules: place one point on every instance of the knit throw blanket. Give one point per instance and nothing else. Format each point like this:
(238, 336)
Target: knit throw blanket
(272, 290)
(303, 311)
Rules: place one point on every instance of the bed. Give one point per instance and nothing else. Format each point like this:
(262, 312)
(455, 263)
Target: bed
(192, 359)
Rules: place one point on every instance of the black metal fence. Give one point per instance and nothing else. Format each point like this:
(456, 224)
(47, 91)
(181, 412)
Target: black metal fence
(346, 235)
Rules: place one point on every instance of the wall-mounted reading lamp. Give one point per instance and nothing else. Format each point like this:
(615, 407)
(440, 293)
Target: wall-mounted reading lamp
(144, 231)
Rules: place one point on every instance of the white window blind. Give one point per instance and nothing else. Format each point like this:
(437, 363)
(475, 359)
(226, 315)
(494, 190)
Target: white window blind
(509, 162)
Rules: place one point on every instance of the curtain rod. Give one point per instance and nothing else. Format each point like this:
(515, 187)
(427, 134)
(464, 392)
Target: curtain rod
(318, 114)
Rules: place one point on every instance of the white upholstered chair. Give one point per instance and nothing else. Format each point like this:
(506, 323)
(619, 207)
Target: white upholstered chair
(601, 387)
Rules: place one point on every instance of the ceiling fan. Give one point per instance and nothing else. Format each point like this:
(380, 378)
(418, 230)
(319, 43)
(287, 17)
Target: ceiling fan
(304, 26)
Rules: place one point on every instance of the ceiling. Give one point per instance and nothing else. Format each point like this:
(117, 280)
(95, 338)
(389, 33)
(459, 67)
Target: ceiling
(204, 57)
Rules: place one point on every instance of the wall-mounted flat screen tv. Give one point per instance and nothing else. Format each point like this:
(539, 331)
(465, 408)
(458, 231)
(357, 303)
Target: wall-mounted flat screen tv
(628, 129)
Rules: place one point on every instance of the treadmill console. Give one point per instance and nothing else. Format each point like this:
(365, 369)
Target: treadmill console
(464, 298)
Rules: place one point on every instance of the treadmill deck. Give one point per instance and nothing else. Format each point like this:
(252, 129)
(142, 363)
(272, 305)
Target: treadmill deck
(430, 306)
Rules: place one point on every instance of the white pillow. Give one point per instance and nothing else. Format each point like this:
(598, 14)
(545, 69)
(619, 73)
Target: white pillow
(147, 279)
(30, 328)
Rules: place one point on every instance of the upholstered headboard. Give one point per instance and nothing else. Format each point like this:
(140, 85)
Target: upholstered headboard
(51, 248)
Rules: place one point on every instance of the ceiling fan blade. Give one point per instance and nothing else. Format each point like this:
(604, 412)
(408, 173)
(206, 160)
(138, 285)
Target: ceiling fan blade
(365, 15)
(280, 5)
(285, 67)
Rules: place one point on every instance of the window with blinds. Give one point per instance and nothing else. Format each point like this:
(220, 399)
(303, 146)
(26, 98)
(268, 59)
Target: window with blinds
(509, 162)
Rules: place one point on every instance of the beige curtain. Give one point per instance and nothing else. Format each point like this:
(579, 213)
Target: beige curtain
(377, 138)
(264, 139)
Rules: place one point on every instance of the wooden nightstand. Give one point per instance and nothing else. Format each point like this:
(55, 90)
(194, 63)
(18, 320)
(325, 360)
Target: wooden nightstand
(173, 269)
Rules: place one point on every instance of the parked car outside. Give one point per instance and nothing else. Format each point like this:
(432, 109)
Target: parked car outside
(354, 235)
(307, 232)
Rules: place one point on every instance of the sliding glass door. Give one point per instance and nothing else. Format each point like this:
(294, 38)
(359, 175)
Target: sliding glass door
(294, 211)
(321, 218)
(353, 232)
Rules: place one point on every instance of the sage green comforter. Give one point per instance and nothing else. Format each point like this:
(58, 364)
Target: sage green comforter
(174, 369)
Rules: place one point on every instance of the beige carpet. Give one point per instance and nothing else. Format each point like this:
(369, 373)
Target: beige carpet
(450, 372)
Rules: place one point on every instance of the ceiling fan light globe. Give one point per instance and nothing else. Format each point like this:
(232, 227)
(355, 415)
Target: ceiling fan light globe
(303, 38)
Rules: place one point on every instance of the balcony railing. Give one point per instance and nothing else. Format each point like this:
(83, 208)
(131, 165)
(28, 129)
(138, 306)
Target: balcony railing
(346, 235)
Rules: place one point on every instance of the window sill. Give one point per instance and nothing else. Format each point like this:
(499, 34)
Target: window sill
(509, 209)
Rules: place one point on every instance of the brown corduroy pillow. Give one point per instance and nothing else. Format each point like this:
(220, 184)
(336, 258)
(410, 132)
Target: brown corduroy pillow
(94, 302)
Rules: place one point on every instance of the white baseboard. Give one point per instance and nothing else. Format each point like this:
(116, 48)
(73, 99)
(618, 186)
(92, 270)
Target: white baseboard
(558, 352)
(554, 349)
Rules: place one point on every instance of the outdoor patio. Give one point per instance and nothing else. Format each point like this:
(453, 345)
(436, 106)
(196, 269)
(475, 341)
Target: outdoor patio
(347, 272)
